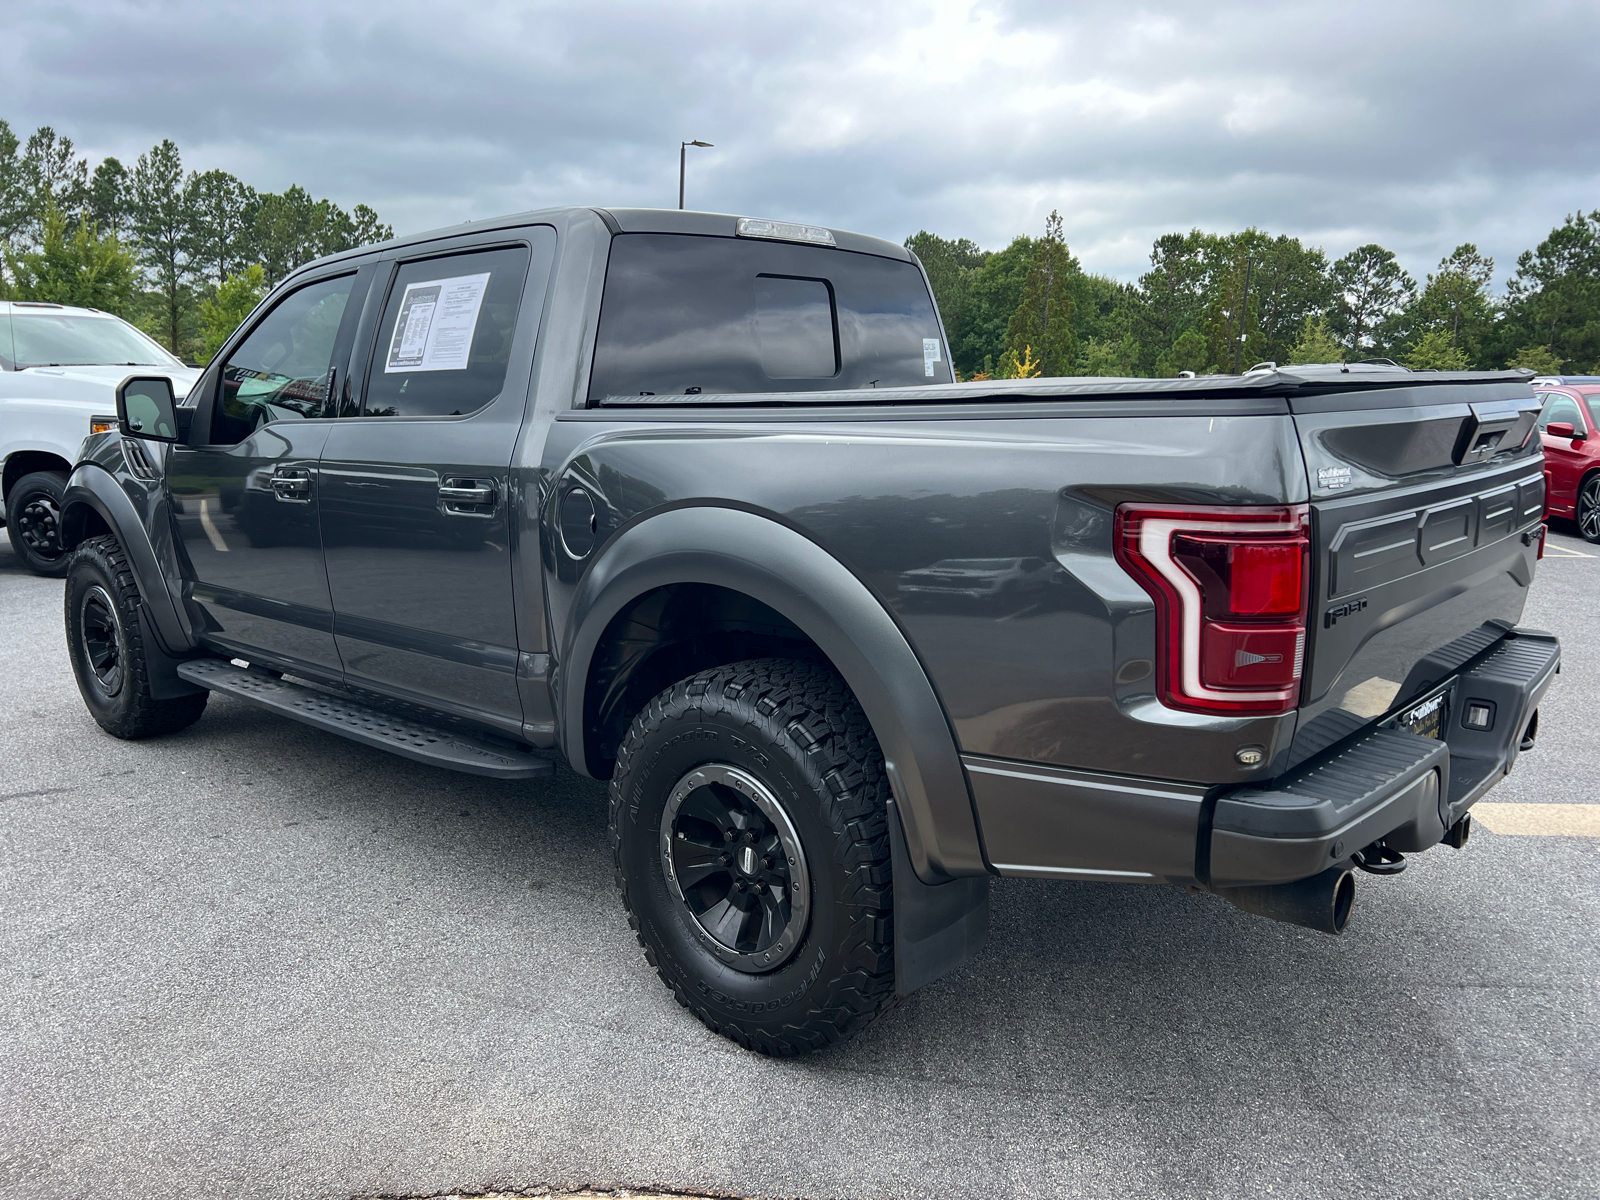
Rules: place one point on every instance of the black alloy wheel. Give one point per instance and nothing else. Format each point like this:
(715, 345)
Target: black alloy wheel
(733, 859)
(105, 642)
(749, 827)
(102, 646)
(1588, 510)
(33, 522)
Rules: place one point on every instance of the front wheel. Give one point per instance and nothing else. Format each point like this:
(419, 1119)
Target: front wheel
(1588, 509)
(106, 647)
(33, 521)
(749, 829)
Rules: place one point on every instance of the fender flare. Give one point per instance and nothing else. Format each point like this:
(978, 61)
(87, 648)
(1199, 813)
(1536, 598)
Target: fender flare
(93, 487)
(772, 563)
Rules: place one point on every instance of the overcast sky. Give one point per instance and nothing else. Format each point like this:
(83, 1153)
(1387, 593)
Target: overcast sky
(1414, 124)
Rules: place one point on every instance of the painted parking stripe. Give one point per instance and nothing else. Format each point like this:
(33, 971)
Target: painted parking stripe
(1551, 550)
(1540, 820)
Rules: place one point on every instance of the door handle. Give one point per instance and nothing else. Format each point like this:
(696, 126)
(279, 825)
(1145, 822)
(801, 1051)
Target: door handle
(291, 484)
(464, 496)
(468, 495)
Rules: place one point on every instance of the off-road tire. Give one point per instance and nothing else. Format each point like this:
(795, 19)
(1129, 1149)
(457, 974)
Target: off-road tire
(33, 514)
(102, 597)
(796, 729)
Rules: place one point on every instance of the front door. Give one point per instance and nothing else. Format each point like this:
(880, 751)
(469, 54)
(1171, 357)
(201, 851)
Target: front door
(416, 508)
(248, 498)
(1563, 461)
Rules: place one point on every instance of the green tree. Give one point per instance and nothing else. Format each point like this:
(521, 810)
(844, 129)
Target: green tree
(225, 309)
(1455, 299)
(1554, 298)
(369, 230)
(56, 178)
(1371, 289)
(992, 300)
(163, 222)
(1043, 318)
(1108, 358)
(1434, 351)
(1187, 353)
(1537, 359)
(1317, 344)
(110, 201)
(75, 266)
(1171, 298)
(14, 198)
(950, 264)
(224, 216)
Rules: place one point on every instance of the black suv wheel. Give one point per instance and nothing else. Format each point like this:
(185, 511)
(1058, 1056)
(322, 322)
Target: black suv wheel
(105, 644)
(33, 522)
(748, 824)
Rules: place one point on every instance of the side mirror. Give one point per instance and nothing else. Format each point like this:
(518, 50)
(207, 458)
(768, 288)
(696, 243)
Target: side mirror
(146, 408)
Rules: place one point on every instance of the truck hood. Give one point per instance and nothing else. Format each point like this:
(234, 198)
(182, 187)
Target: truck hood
(96, 382)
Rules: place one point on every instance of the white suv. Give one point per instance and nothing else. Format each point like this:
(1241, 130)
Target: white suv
(59, 370)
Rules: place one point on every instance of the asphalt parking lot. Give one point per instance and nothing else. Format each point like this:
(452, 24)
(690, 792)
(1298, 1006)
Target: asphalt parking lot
(253, 960)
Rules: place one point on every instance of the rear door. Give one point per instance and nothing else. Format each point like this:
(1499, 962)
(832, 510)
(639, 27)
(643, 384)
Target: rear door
(416, 500)
(1426, 503)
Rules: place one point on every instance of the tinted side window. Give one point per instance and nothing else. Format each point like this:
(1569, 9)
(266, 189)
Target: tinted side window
(1560, 408)
(683, 314)
(445, 338)
(280, 372)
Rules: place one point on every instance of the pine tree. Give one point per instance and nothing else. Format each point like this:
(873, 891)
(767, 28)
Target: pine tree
(1043, 320)
(164, 224)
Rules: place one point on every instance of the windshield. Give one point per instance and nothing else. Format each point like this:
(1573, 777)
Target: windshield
(74, 339)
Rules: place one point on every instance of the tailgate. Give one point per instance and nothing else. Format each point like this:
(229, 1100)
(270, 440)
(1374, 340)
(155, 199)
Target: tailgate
(1426, 501)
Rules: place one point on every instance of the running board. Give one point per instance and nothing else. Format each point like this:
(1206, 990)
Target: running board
(363, 723)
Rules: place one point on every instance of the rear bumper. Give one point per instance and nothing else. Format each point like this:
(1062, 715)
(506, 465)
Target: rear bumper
(1385, 782)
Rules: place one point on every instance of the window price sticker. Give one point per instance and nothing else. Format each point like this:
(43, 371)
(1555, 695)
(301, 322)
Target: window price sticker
(433, 331)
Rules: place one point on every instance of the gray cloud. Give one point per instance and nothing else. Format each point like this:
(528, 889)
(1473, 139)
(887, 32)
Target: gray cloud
(1418, 125)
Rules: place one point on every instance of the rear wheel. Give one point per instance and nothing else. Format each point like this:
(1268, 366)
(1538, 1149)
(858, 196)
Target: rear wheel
(748, 824)
(1588, 509)
(106, 646)
(33, 522)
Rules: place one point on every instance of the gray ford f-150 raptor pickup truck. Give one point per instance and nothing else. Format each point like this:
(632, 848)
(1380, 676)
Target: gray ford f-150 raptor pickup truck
(695, 500)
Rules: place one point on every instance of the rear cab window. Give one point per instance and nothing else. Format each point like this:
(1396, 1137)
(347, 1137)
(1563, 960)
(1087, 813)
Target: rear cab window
(685, 314)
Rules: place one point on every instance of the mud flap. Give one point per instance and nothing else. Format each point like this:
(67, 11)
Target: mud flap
(161, 668)
(936, 928)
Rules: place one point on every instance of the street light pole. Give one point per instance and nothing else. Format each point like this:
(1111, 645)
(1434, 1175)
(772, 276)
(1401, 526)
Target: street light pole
(683, 156)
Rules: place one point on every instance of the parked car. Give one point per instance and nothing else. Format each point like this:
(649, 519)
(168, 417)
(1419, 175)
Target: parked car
(1567, 427)
(59, 368)
(1251, 633)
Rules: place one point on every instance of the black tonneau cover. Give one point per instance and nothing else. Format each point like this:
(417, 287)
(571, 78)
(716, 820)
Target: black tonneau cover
(1295, 383)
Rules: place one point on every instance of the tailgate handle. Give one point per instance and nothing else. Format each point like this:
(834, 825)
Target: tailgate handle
(1493, 427)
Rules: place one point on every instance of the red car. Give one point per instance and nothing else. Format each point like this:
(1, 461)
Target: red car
(1571, 450)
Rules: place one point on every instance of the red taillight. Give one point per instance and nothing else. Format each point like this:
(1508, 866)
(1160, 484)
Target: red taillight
(1231, 588)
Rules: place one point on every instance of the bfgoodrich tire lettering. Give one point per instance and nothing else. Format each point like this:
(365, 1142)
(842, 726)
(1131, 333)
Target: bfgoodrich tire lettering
(794, 729)
(106, 647)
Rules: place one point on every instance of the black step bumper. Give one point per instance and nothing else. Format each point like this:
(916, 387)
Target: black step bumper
(1384, 782)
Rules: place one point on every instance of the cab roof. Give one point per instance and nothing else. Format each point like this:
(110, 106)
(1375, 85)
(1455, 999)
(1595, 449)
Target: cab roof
(618, 220)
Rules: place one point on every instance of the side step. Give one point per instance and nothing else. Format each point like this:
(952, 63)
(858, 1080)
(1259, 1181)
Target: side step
(362, 723)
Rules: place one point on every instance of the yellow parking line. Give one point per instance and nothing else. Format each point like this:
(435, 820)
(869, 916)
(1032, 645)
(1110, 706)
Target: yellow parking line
(1541, 820)
(1551, 550)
